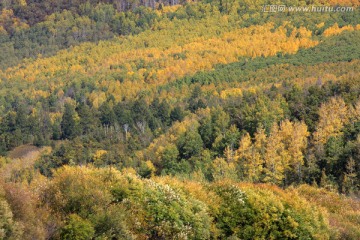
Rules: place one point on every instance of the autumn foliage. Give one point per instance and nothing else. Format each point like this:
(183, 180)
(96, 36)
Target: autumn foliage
(200, 120)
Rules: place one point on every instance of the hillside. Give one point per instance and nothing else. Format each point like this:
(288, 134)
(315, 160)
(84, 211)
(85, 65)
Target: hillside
(179, 120)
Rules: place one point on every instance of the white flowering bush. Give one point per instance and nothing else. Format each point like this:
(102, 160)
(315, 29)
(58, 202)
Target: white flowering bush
(171, 215)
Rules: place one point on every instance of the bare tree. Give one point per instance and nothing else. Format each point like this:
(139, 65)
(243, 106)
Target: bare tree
(126, 129)
(141, 126)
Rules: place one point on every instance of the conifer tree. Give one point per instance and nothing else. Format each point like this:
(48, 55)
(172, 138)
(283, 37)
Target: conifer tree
(70, 122)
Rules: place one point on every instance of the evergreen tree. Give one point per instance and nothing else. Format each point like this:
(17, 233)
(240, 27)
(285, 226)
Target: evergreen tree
(164, 112)
(88, 119)
(70, 122)
(107, 115)
(177, 114)
(206, 131)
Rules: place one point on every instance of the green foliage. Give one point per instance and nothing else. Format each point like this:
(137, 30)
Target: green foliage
(170, 159)
(260, 213)
(190, 143)
(70, 122)
(77, 228)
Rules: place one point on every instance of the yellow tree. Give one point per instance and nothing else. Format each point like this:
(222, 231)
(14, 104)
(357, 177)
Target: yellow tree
(274, 157)
(294, 137)
(298, 146)
(223, 170)
(354, 112)
(230, 154)
(244, 155)
(260, 141)
(334, 114)
(250, 155)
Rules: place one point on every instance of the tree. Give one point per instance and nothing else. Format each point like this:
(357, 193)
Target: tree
(190, 143)
(244, 155)
(334, 115)
(349, 182)
(140, 110)
(164, 112)
(250, 157)
(169, 159)
(274, 156)
(123, 114)
(221, 121)
(195, 101)
(77, 228)
(221, 170)
(88, 120)
(206, 131)
(21, 119)
(70, 122)
(294, 137)
(107, 115)
(9, 229)
(221, 134)
(177, 114)
(147, 169)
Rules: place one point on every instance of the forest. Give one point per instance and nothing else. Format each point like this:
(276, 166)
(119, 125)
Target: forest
(179, 120)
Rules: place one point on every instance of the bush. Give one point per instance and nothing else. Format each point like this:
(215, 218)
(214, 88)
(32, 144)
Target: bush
(77, 229)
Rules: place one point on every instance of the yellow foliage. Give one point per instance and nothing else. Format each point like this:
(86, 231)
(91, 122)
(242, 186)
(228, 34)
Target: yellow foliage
(354, 3)
(335, 29)
(334, 114)
(340, 210)
(233, 92)
(168, 61)
(151, 167)
(97, 98)
(251, 156)
(167, 9)
(128, 171)
(77, 68)
(2, 30)
(54, 117)
(295, 139)
(7, 17)
(98, 155)
(354, 112)
(320, 25)
(223, 170)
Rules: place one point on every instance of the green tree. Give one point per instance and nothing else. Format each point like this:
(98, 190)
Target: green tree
(349, 182)
(169, 158)
(164, 112)
(77, 228)
(206, 131)
(107, 115)
(190, 143)
(70, 122)
(177, 114)
(88, 118)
